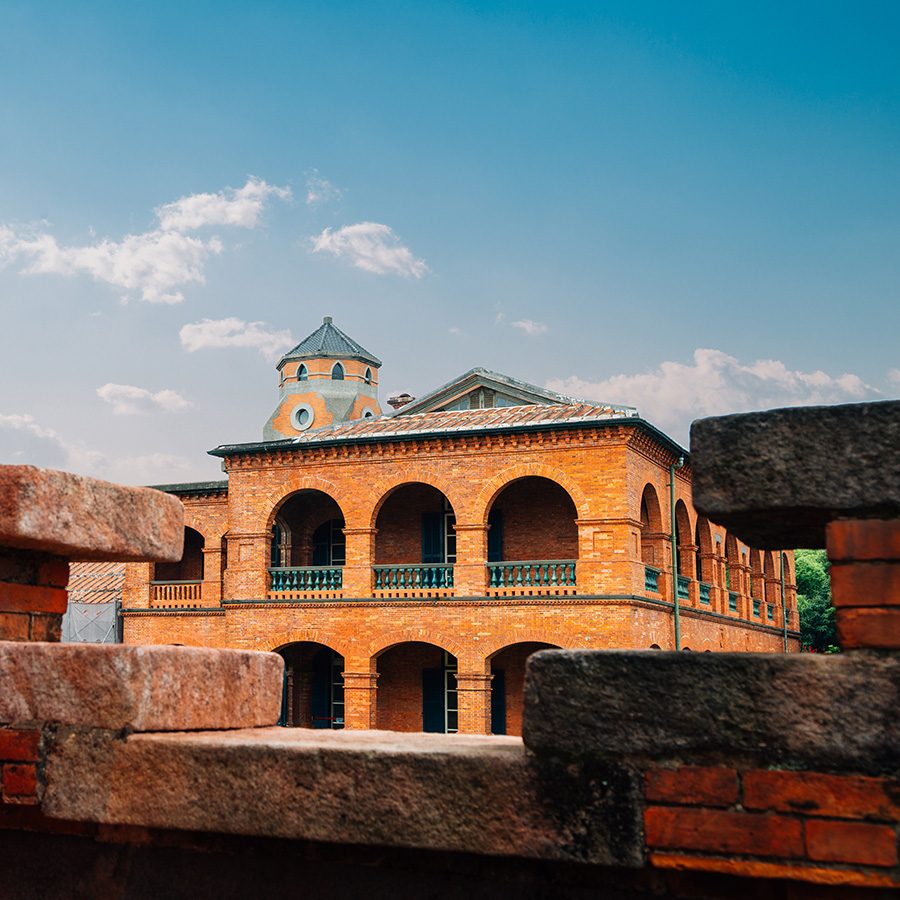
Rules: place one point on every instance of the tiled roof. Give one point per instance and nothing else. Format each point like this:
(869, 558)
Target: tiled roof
(455, 421)
(96, 582)
(330, 342)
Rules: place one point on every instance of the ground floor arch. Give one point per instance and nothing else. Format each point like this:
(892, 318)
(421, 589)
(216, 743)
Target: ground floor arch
(508, 684)
(313, 695)
(417, 689)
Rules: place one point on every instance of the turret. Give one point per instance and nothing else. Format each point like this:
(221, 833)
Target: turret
(326, 379)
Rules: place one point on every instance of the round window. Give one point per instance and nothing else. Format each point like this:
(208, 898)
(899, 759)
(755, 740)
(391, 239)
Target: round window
(302, 416)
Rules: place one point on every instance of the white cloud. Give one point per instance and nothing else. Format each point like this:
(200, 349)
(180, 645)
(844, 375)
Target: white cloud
(209, 334)
(241, 207)
(894, 376)
(320, 190)
(370, 246)
(714, 384)
(154, 263)
(530, 327)
(129, 400)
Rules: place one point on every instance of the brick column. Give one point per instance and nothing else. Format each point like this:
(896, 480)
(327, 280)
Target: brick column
(609, 557)
(474, 702)
(360, 559)
(211, 589)
(247, 575)
(865, 582)
(360, 699)
(136, 585)
(470, 576)
(33, 596)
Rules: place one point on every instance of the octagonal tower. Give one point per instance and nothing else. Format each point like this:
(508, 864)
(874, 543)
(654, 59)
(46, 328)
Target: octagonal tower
(326, 379)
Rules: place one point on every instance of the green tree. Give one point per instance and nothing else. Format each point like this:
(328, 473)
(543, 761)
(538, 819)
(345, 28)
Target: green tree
(817, 629)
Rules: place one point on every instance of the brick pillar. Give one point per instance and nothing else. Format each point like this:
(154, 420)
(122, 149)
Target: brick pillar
(360, 559)
(745, 607)
(865, 582)
(247, 575)
(33, 595)
(609, 557)
(360, 699)
(136, 586)
(474, 702)
(211, 589)
(470, 576)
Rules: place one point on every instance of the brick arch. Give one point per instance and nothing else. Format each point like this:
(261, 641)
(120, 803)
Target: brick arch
(531, 636)
(274, 642)
(488, 494)
(388, 639)
(382, 490)
(276, 498)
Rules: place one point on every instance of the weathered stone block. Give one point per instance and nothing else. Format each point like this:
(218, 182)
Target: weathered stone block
(139, 688)
(777, 478)
(812, 711)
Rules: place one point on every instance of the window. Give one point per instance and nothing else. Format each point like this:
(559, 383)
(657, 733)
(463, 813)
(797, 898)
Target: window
(302, 373)
(302, 416)
(368, 376)
(337, 373)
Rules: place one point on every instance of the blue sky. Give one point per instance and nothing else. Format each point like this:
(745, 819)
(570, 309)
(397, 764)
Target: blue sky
(692, 208)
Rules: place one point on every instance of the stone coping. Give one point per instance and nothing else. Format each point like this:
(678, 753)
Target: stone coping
(141, 688)
(477, 794)
(67, 515)
(777, 478)
(795, 710)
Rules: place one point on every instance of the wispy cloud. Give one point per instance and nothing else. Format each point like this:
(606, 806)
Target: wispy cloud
(894, 376)
(129, 400)
(240, 207)
(214, 334)
(530, 327)
(370, 246)
(320, 190)
(155, 264)
(715, 383)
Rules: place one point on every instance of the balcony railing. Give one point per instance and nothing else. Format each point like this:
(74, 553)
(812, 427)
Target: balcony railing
(534, 573)
(683, 584)
(732, 601)
(651, 579)
(306, 578)
(175, 593)
(705, 590)
(755, 607)
(415, 578)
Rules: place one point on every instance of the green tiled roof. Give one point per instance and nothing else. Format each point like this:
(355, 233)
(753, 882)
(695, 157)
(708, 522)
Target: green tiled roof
(330, 342)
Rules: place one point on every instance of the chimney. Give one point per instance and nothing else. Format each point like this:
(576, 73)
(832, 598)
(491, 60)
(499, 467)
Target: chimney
(400, 400)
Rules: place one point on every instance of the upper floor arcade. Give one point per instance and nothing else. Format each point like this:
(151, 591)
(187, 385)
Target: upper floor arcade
(524, 502)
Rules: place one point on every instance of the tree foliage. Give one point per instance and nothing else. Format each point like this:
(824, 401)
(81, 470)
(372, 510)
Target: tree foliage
(817, 628)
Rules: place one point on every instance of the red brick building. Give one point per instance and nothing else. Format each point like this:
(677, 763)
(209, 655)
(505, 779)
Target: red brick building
(405, 566)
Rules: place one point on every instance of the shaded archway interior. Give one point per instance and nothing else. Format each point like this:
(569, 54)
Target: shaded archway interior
(190, 566)
(313, 695)
(508, 684)
(308, 531)
(415, 526)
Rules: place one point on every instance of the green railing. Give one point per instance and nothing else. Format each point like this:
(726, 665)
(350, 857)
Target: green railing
(535, 573)
(683, 585)
(704, 593)
(394, 578)
(771, 613)
(732, 601)
(306, 578)
(651, 579)
(755, 607)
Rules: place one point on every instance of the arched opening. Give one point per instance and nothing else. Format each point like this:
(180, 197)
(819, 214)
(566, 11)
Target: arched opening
(189, 569)
(532, 535)
(337, 372)
(732, 572)
(770, 573)
(302, 373)
(368, 375)
(415, 542)
(308, 547)
(705, 558)
(757, 584)
(417, 689)
(313, 686)
(686, 547)
(652, 535)
(508, 683)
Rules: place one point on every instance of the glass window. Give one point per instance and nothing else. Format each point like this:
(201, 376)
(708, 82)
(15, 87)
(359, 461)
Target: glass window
(337, 373)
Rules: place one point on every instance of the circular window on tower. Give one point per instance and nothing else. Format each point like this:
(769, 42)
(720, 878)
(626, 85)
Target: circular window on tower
(302, 417)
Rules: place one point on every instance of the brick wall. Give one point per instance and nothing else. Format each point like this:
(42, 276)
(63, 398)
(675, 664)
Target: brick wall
(400, 685)
(399, 523)
(538, 520)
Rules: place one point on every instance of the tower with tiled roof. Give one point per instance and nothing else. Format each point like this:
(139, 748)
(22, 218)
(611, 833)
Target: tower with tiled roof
(326, 379)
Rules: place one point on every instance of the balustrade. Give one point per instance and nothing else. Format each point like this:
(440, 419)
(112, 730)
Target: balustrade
(683, 585)
(651, 579)
(755, 606)
(535, 573)
(416, 578)
(284, 579)
(732, 601)
(705, 591)
(175, 593)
